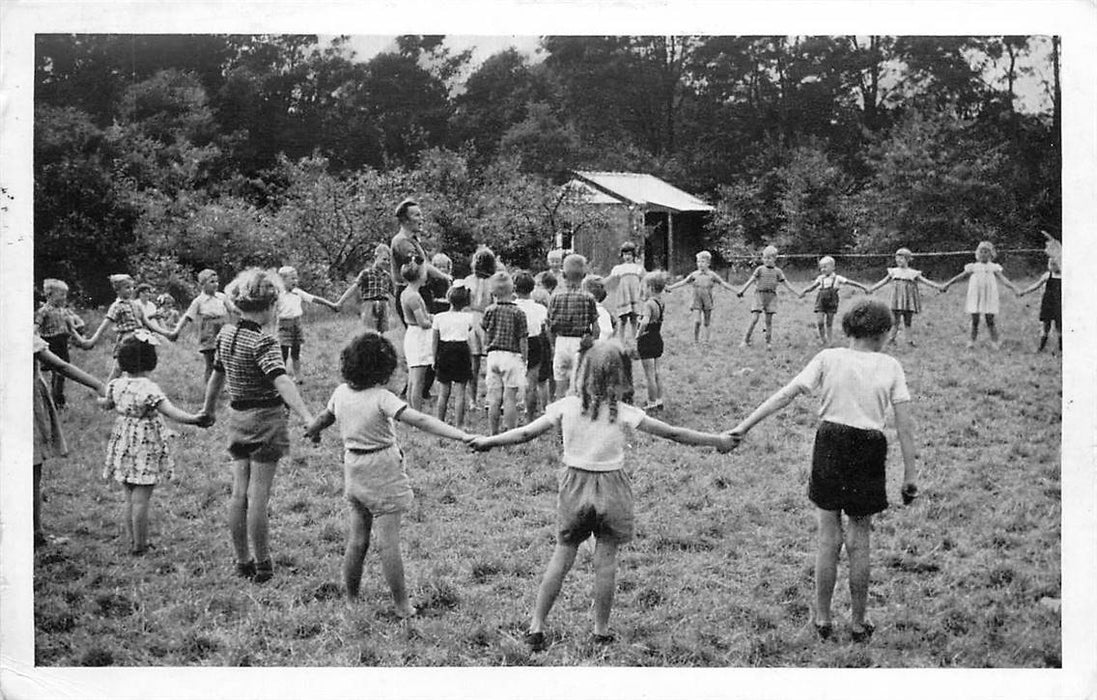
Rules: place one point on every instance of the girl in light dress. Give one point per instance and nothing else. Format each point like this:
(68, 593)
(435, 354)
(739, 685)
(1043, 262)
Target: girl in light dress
(906, 300)
(138, 456)
(982, 291)
(628, 275)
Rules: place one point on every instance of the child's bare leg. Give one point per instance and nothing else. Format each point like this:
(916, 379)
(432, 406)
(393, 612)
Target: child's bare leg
(259, 486)
(358, 531)
(37, 507)
(141, 494)
(605, 583)
(857, 548)
(129, 515)
(830, 328)
(707, 317)
(908, 321)
(459, 402)
(1044, 335)
(510, 407)
(562, 559)
(992, 328)
(896, 319)
(696, 325)
(474, 382)
(826, 562)
(974, 327)
(392, 563)
(750, 327)
(238, 509)
(649, 378)
(416, 376)
(295, 355)
(208, 357)
(533, 390)
(495, 403)
(769, 329)
(443, 400)
(821, 326)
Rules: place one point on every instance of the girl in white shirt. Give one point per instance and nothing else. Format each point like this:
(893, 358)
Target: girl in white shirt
(452, 331)
(855, 385)
(595, 494)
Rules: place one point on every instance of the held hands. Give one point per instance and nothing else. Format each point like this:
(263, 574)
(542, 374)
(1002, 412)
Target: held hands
(477, 443)
(204, 420)
(728, 442)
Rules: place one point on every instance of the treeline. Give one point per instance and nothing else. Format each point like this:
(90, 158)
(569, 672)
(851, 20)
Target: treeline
(166, 154)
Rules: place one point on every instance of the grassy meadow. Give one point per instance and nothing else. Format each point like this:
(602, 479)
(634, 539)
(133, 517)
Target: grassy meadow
(720, 572)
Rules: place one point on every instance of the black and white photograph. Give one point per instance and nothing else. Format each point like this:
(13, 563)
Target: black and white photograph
(584, 350)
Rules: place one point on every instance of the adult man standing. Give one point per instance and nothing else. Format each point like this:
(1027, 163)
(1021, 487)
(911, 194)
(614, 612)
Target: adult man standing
(406, 247)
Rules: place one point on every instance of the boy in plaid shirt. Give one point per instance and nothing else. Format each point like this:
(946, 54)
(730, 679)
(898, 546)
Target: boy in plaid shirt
(573, 317)
(375, 291)
(505, 340)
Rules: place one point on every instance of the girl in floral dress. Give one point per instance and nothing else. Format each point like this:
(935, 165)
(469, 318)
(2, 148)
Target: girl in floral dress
(906, 300)
(137, 452)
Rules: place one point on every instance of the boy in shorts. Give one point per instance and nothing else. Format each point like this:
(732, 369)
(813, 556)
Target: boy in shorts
(573, 317)
(507, 349)
(538, 359)
(766, 277)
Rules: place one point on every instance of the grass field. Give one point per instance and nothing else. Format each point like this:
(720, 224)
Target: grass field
(720, 572)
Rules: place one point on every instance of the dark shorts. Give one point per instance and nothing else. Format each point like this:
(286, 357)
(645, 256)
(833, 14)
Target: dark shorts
(826, 301)
(649, 346)
(453, 363)
(594, 503)
(259, 434)
(847, 469)
(537, 353)
(290, 332)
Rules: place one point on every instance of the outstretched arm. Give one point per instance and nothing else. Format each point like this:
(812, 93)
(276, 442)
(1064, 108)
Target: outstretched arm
(879, 284)
(346, 296)
(1035, 285)
(680, 283)
(811, 287)
(957, 278)
(432, 425)
(71, 371)
(288, 391)
(167, 408)
(774, 403)
(324, 420)
(931, 283)
(854, 283)
(213, 390)
(746, 285)
(523, 433)
(98, 332)
(686, 436)
(790, 287)
(334, 306)
(723, 283)
(1005, 280)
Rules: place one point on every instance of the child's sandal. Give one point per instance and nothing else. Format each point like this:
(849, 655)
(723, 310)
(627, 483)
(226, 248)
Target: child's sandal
(245, 569)
(264, 571)
(864, 634)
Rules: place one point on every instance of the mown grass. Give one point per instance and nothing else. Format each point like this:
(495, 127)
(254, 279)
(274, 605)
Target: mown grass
(720, 572)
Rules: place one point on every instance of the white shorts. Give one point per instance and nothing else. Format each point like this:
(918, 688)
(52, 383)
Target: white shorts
(419, 346)
(565, 357)
(505, 369)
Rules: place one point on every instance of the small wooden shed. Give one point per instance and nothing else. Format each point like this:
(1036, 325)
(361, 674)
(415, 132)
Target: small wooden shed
(665, 223)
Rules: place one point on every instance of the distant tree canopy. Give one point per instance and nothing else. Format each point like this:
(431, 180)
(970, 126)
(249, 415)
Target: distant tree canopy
(164, 154)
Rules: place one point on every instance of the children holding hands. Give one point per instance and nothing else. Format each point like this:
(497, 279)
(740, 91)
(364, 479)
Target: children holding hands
(982, 291)
(703, 279)
(826, 299)
(126, 315)
(906, 299)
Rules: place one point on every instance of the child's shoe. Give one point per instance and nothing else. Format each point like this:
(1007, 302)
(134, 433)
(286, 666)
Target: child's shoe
(535, 641)
(264, 571)
(246, 569)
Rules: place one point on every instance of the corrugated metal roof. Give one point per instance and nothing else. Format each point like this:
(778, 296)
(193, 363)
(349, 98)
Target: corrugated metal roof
(644, 189)
(590, 195)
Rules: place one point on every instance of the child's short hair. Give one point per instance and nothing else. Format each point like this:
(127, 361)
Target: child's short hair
(410, 271)
(483, 262)
(119, 281)
(144, 287)
(556, 254)
(988, 246)
(459, 297)
(165, 299)
(402, 208)
(51, 284)
(826, 260)
(705, 255)
(136, 355)
(523, 282)
(769, 250)
(904, 252)
(867, 317)
(369, 359)
(287, 270)
(548, 280)
(594, 286)
(501, 284)
(575, 266)
(604, 376)
(628, 247)
(656, 281)
(255, 290)
(441, 260)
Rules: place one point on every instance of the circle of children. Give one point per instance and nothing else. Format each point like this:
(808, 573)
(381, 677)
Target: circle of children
(556, 330)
